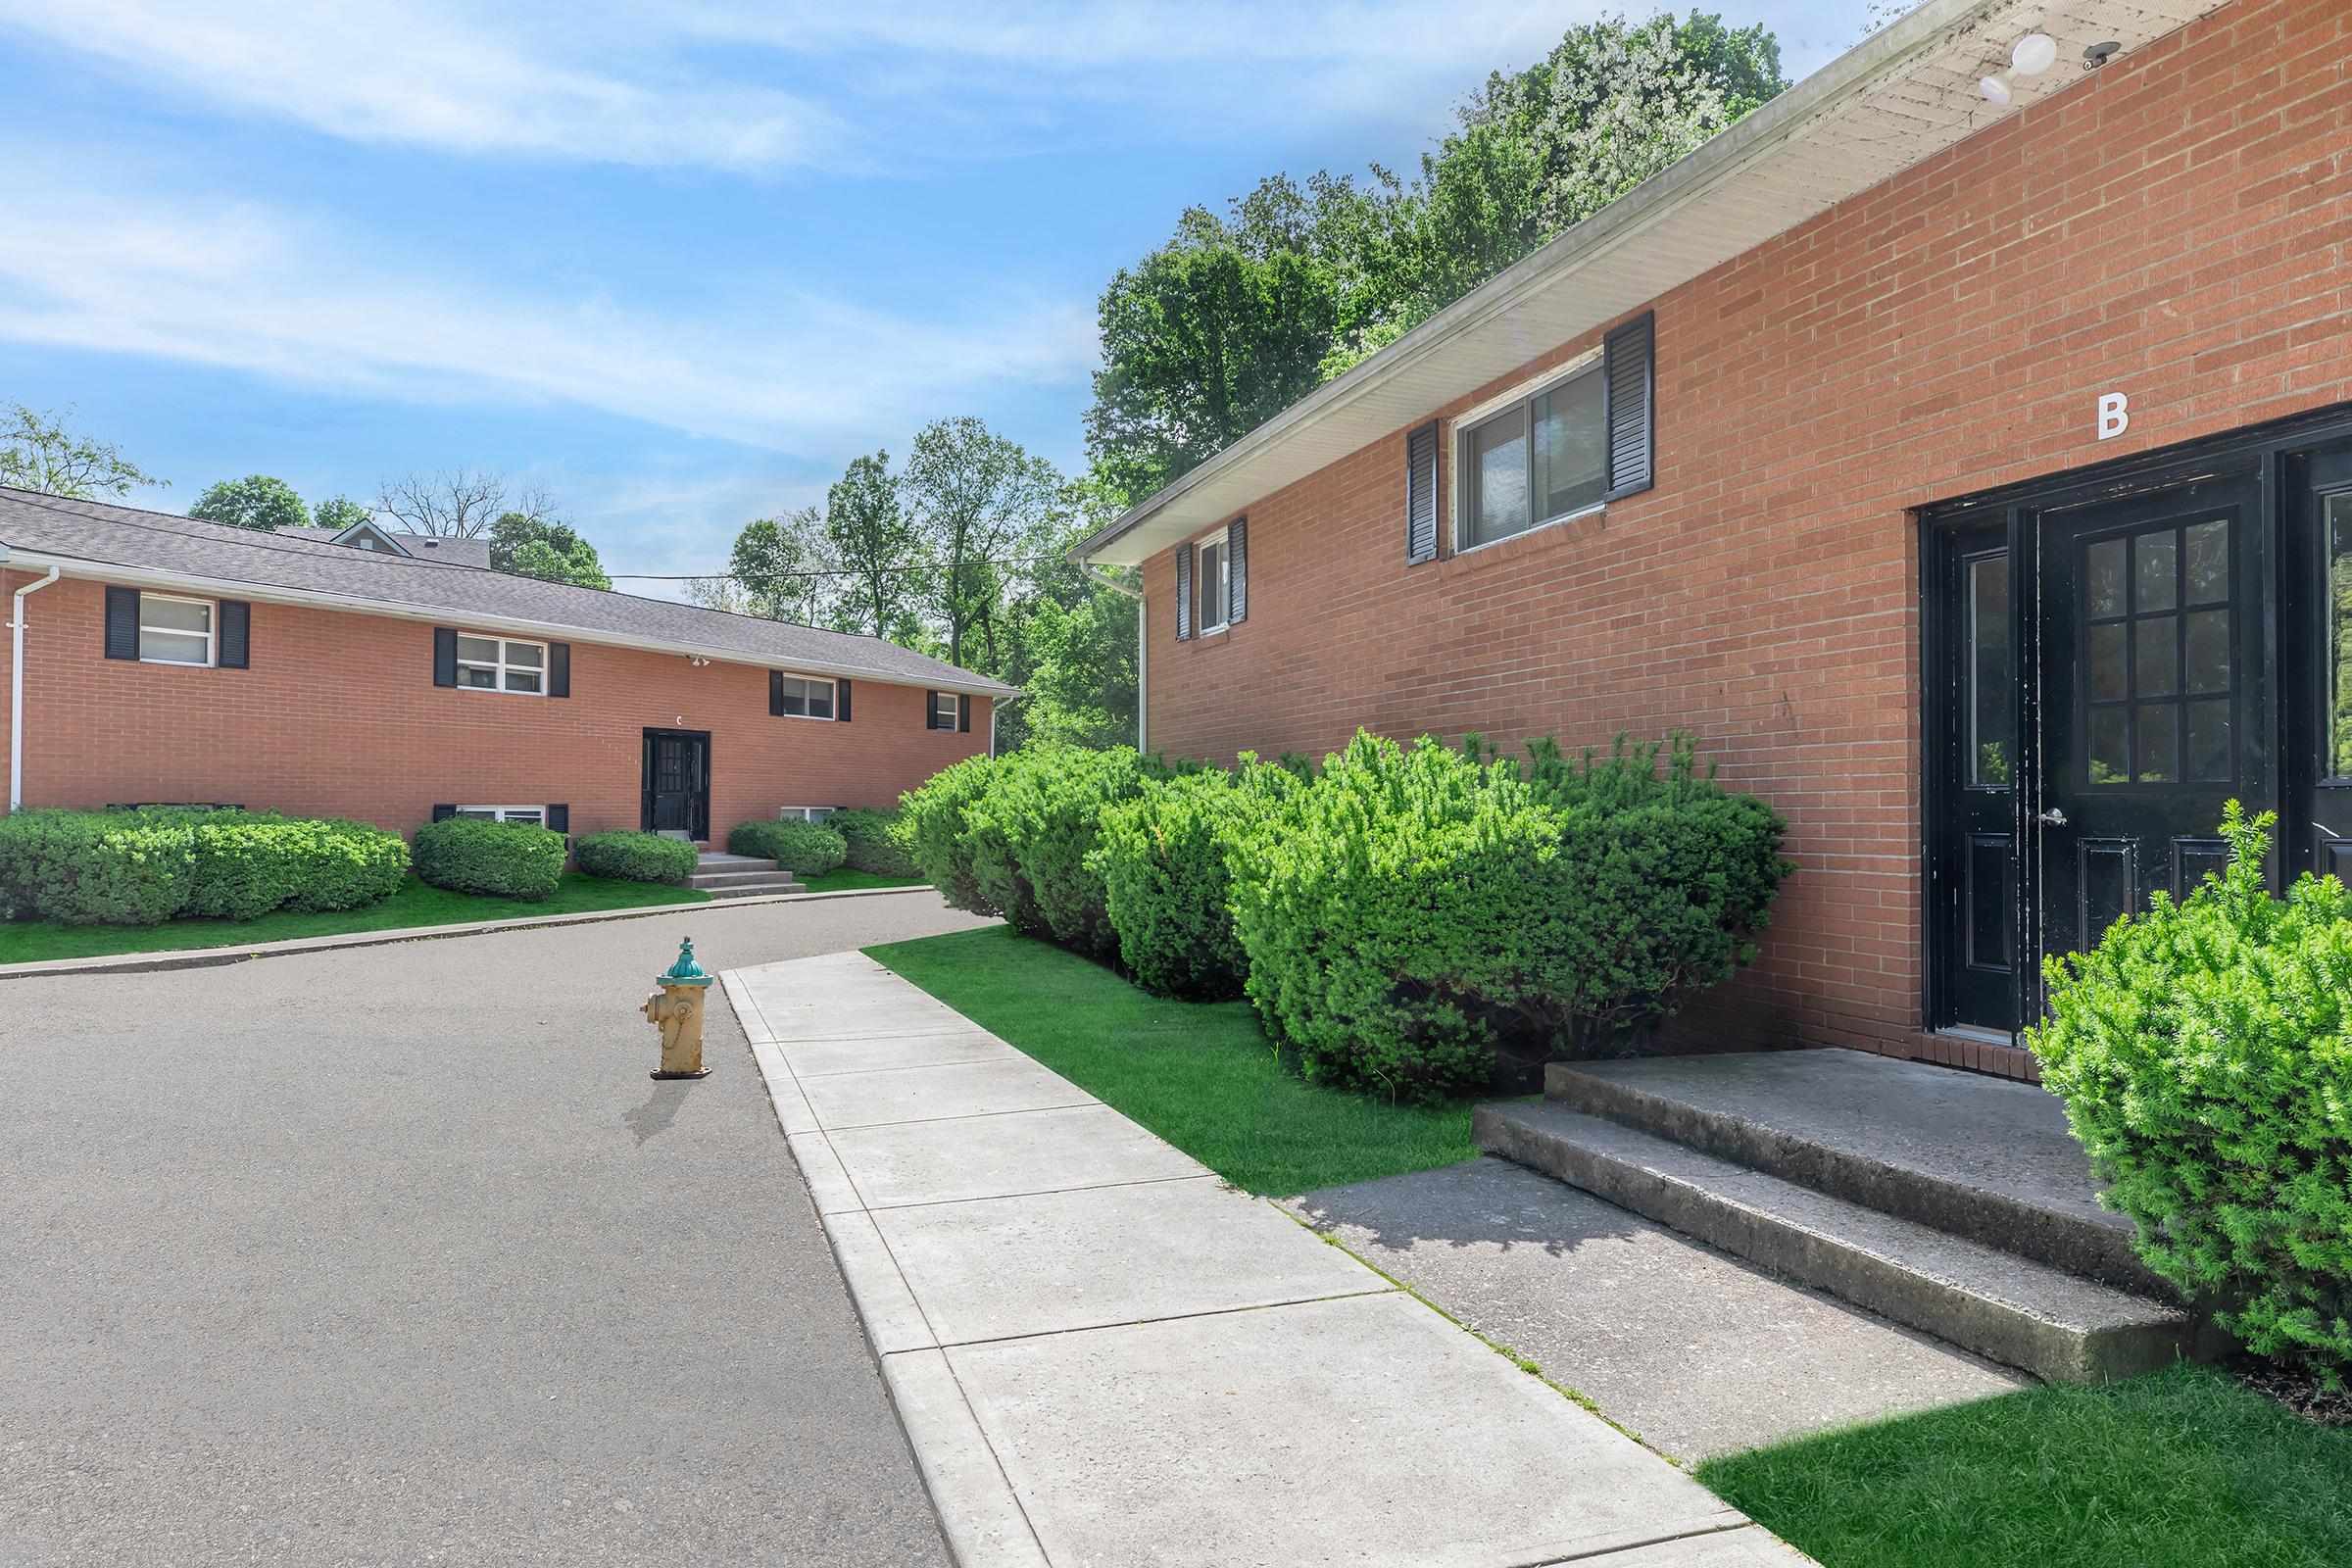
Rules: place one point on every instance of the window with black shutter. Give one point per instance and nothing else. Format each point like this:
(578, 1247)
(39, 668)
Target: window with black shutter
(841, 702)
(559, 820)
(963, 712)
(559, 669)
(1183, 592)
(1629, 366)
(1421, 495)
(445, 662)
(122, 623)
(236, 634)
(1237, 569)
(939, 709)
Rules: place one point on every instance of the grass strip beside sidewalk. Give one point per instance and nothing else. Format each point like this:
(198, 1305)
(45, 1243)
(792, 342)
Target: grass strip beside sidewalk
(2184, 1468)
(1202, 1075)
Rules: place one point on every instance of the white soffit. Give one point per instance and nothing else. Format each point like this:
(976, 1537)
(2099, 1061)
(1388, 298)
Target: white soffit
(1905, 94)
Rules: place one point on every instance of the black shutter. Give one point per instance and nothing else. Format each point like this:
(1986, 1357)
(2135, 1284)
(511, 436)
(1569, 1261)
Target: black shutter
(559, 669)
(841, 702)
(1421, 495)
(1183, 592)
(1629, 403)
(445, 659)
(442, 814)
(930, 709)
(121, 624)
(776, 694)
(963, 714)
(236, 634)
(559, 820)
(1236, 570)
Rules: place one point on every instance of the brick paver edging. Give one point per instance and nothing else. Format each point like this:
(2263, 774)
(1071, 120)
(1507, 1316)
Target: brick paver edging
(208, 958)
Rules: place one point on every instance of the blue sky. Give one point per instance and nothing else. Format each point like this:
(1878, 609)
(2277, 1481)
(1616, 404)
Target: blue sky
(677, 263)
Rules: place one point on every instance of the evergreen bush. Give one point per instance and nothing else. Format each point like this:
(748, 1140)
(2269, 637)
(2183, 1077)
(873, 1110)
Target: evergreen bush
(498, 859)
(875, 840)
(939, 835)
(154, 864)
(628, 857)
(803, 847)
(1167, 884)
(2204, 1054)
(1032, 829)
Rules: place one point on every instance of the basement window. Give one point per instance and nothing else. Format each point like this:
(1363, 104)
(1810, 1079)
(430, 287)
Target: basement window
(498, 665)
(175, 631)
(531, 816)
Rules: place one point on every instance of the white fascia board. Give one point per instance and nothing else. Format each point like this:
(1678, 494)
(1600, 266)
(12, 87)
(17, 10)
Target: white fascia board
(538, 630)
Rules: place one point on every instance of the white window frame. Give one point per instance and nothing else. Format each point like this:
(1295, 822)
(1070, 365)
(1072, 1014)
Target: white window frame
(211, 630)
(503, 666)
(1519, 398)
(832, 696)
(535, 815)
(805, 813)
(1221, 540)
(955, 704)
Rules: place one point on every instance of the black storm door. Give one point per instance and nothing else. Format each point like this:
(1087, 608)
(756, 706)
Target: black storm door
(2158, 703)
(1975, 880)
(677, 783)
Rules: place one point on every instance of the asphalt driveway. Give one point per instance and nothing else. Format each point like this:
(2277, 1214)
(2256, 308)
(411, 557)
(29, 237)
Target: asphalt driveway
(395, 1256)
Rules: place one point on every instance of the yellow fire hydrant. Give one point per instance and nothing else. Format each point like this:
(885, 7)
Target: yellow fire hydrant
(677, 1009)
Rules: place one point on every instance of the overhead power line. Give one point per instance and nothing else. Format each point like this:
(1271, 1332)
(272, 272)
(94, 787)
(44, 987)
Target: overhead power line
(828, 572)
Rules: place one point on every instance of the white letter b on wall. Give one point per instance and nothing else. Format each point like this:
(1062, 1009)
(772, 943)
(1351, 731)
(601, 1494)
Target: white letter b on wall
(2115, 415)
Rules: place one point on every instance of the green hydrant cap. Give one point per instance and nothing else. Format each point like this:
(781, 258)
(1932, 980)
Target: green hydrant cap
(684, 972)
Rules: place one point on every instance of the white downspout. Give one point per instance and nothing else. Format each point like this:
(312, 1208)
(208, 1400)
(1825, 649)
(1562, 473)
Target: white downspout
(1142, 647)
(16, 689)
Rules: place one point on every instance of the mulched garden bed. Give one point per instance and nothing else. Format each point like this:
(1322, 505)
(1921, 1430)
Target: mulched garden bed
(2298, 1391)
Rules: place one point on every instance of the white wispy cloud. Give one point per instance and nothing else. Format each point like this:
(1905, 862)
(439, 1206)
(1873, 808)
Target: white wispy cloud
(756, 86)
(241, 285)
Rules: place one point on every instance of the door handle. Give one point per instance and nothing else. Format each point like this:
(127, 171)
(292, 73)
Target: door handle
(2053, 817)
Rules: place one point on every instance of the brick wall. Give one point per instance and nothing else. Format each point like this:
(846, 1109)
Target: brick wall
(338, 715)
(2178, 227)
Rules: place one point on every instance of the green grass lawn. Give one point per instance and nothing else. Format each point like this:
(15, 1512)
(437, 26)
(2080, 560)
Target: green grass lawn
(23, 942)
(2182, 1469)
(1202, 1075)
(845, 881)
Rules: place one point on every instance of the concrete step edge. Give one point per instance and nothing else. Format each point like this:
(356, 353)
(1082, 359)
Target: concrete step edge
(763, 890)
(2004, 1307)
(2061, 1240)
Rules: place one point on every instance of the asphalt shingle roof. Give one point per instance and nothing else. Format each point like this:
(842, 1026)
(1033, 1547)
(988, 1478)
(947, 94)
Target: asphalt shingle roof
(105, 535)
(424, 547)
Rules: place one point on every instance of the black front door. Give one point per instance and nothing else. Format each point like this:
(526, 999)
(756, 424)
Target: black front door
(2157, 701)
(1976, 900)
(677, 783)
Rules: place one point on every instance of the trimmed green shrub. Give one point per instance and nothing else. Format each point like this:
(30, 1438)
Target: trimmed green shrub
(876, 841)
(2204, 1052)
(1163, 863)
(500, 860)
(95, 868)
(1391, 910)
(1033, 828)
(627, 857)
(805, 849)
(939, 836)
(1410, 913)
(1668, 876)
(248, 863)
(154, 864)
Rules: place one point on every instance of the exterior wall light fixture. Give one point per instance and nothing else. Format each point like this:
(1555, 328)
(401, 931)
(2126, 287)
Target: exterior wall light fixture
(2033, 54)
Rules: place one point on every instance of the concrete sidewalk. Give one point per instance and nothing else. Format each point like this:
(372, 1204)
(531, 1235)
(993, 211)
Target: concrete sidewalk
(1105, 1357)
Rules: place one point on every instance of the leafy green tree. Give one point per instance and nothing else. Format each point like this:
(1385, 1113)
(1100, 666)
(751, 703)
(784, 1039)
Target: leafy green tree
(978, 502)
(781, 565)
(871, 539)
(1541, 149)
(37, 451)
(339, 512)
(1237, 318)
(258, 502)
(529, 546)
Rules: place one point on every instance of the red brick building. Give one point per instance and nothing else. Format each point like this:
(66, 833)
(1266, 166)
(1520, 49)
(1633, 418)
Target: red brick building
(166, 659)
(1966, 477)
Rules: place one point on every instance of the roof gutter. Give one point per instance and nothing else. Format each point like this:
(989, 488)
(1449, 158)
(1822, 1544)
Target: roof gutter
(442, 615)
(1722, 157)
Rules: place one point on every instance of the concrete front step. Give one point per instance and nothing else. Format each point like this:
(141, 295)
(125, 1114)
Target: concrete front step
(756, 889)
(719, 860)
(2007, 1309)
(1984, 1159)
